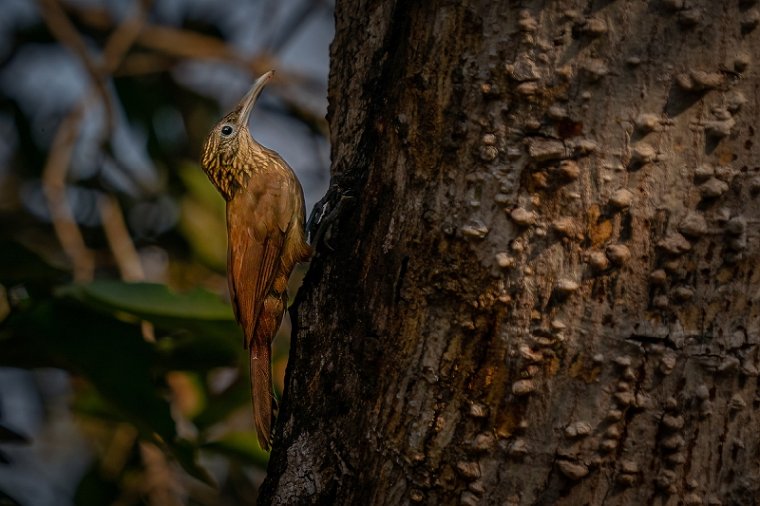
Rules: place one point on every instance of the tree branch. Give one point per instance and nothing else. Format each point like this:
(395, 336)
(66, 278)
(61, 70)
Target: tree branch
(62, 28)
(54, 188)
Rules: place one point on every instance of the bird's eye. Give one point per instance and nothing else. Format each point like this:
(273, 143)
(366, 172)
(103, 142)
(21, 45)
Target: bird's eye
(226, 130)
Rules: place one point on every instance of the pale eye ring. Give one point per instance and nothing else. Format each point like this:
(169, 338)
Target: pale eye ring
(226, 130)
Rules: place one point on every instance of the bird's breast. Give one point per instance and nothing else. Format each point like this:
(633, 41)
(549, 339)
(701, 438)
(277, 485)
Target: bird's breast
(228, 178)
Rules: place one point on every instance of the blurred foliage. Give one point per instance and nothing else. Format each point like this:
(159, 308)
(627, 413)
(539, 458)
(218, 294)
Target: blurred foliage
(109, 103)
(201, 219)
(94, 330)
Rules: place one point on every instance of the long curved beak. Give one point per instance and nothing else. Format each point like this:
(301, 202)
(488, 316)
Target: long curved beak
(248, 101)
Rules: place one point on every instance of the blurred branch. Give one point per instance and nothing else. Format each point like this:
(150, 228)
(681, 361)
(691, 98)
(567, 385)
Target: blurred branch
(174, 42)
(54, 187)
(119, 240)
(62, 28)
(162, 487)
(161, 484)
(57, 164)
(117, 450)
(183, 44)
(124, 36)
(168, 45)
(188, 45)
(123, 249)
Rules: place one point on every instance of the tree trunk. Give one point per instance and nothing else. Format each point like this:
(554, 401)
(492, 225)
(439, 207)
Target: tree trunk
(537, 283)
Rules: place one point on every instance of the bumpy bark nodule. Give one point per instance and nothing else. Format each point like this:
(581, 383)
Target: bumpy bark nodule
(538, 283)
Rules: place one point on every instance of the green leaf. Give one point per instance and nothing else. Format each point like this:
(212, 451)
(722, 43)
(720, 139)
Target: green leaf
(151, 301)
(201, 329)
(243, 445)
(112, 354)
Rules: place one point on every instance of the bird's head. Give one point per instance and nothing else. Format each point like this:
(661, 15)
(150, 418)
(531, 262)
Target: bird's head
(226, 140)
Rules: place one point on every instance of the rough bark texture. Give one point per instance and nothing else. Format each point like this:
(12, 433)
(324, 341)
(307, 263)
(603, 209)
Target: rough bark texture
(542, 284)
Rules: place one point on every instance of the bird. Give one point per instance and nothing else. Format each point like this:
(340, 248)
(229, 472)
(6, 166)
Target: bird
(266, 238)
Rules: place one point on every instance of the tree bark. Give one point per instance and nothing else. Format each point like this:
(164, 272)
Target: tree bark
(537, 283)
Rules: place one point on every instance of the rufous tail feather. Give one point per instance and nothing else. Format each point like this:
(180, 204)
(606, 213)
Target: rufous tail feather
(261, 365)
(261, 392)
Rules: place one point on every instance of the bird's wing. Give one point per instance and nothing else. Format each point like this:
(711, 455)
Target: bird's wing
(257, 220)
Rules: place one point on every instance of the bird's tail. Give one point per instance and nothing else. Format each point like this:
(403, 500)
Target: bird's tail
(261, 391)
(261, 365)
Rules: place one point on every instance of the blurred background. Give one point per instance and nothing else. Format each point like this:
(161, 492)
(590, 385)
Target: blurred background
(122, 374)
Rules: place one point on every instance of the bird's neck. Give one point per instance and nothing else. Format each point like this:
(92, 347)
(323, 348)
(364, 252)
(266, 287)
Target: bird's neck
(228, 179)
(231, 173)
